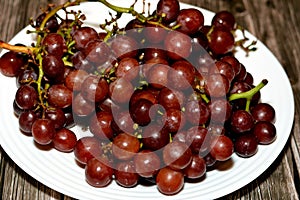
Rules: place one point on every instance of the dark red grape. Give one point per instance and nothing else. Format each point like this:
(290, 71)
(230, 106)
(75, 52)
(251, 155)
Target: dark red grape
(263, 112)
(43, 131)
(75, 78)
(241, 121)
(26, 97)
(190, 20)
(125, 146)
(157, 75)
(246, 145)
(94, 89)
(174, 120)
(221, 41)
(198, 139)
(168, 10)
(53, 67)
(84, 35)
(197, 112)
(125, 174)
(124, 46)
(100, 125)
(147, 163)
(87, 148)
(98, 173)
(181, 75)
(140, 112)
(11, 64)
(57, 116)
(196, 168)
(221, 148)
(169, 181)
(26, 119)
(155, 137)
(178, 45)
(60, 96)
(97, 52)
(54, 44)
(224, 19)
(265, 132)
(177, 155)
(64, 140)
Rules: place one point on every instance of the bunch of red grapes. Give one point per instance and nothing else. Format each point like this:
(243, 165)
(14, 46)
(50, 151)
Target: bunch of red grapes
(164, 98)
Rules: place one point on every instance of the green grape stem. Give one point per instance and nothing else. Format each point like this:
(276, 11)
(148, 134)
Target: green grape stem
(249, 94)
(118, 9)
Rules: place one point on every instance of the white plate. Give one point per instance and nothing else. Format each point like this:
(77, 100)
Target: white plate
(60, 172)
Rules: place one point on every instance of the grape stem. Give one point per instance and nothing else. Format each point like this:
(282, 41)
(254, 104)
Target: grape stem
(52, 13)
(118, 9)
(20, 49)
(249, 94)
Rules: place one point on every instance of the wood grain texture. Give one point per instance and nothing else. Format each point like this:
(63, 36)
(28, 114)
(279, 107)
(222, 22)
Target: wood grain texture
(275, 22)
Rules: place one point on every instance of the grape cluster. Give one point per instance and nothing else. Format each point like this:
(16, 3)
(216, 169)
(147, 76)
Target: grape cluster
(164, 97)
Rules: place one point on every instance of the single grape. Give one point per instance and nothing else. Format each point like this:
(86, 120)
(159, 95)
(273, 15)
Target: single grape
(241, 121)
(263, 112)
(147, 163)
(82, 107)
(265, 132)
(84, 35)
(75, 78)
(196, 168)
(174, 120)
(94, 89)
(97, 52)
(54, 44)
(168, 10)
(198, 140)
(197, 112)
(125, 174)
(125, 146)
(128, 68)
(169, 181)
(140, 112)
(221, 41)
(64, 140)
(98, 173)
(224, 19)
(11, 64)
(57, 116)
(157, 75)
(26, 97)
(43, 131)
(26, 119)
(178, 45)
(26, 76)
(124, 46)
(221, 148)
(87, 148)
(181, 75)
(100, 125)
(155, 137)
(121, 90)
(177, 155)
(246, 145)
(60, 96)
(191, 20)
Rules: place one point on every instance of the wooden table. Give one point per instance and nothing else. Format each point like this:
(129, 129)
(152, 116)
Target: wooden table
(275, 22)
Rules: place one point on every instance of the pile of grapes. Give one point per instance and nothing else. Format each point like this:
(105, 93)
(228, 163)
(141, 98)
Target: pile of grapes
(164, 97)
